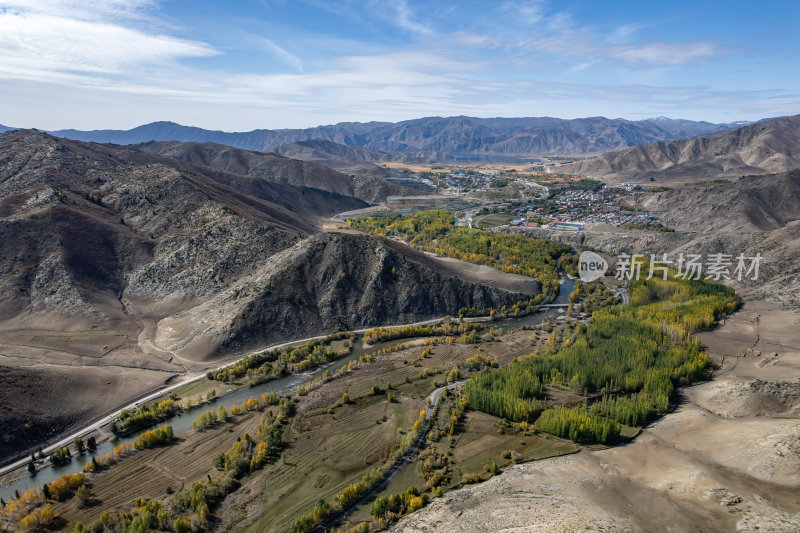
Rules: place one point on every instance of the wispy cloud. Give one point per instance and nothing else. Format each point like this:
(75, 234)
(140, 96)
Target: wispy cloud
(528, 12)
(514, 59)
(537, 33)
(399, 13)
(281, 53)
(98, 11)
(37, 42)
(666, 54)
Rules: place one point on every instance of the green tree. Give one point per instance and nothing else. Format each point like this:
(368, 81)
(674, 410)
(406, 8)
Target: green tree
(83, 495)
(181, 526)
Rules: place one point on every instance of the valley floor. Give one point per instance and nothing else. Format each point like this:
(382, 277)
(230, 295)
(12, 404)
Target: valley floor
(727, 458)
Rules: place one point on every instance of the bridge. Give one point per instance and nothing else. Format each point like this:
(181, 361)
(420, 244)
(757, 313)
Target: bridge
(554, 306)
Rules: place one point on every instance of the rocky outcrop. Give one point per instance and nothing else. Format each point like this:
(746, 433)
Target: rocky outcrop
(324, 283)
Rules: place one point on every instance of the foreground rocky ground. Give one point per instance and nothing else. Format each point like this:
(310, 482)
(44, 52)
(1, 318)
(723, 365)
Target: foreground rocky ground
(727, 458)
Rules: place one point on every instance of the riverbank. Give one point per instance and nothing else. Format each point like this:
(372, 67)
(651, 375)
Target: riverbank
(726, 459)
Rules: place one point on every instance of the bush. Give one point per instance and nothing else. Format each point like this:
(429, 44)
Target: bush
(154, 437)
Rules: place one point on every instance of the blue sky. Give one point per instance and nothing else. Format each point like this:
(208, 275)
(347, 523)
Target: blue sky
(241, 65)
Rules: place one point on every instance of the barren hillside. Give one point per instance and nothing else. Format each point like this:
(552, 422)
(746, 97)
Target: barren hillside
(770, 146)
(274, 168)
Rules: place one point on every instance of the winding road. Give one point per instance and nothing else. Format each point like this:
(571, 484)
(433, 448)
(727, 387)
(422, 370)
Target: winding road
(107, 419)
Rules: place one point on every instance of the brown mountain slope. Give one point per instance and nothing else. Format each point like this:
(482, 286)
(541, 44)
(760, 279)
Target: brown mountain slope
(325, 282)
(334, 155)
(770, 146)
(752, 203)
(275, 169)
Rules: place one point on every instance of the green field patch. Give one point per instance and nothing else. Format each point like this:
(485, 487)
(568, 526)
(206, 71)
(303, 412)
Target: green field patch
(492, 221)
(327, 453)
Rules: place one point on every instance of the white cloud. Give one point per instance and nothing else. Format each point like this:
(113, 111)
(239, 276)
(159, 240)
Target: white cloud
(120, 56)
(82, 9)
(40, 40)
(528, 12)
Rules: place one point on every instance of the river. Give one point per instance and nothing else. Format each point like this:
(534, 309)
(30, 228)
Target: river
(182, 422)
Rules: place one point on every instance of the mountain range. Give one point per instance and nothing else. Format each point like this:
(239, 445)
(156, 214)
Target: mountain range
(87, 223)
(761, 148)
(434, 137)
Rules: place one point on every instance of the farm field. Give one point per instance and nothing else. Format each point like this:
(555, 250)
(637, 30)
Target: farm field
(472, 450)
(492, 221)
(329, 444)
(330, 450)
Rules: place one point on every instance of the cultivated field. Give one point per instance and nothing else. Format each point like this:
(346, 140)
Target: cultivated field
(725, 460)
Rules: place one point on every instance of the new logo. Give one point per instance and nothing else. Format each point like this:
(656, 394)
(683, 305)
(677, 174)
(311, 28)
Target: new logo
(591, 266)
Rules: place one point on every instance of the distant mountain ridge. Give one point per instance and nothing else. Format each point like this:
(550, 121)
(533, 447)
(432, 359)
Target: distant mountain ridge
(760, 148)
(275, 168)
(337, 155)
(434, 137)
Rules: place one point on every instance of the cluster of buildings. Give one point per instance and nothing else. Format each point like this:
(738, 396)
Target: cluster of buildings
(470, 179)
(570, 209)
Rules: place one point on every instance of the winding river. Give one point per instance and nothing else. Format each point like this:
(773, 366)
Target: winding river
(182, 422)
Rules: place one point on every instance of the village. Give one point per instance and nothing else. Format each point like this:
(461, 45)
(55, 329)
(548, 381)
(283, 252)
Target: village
(550, 201)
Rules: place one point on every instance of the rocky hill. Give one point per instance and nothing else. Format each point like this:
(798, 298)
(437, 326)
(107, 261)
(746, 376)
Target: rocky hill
(85, 223)
(770, 146)
(322, 283)
(275, 168)
(750, 204)
(435, 137)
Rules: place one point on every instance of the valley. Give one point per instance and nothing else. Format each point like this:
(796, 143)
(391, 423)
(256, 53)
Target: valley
(486, 395)
(409, 390)
(399, 267)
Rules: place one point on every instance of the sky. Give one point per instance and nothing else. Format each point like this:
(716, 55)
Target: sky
(241, 65)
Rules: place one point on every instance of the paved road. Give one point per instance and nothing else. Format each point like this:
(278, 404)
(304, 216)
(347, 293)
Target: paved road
(434, 397)
(107, 419)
